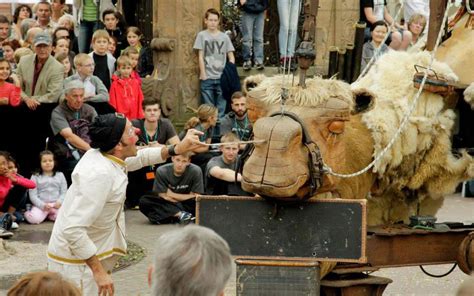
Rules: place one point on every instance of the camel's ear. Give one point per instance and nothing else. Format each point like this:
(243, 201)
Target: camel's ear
(364, 100)
(251, 82)
(256, 108)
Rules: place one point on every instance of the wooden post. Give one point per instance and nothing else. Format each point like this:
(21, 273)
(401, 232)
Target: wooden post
(437, 8)
(176, 82)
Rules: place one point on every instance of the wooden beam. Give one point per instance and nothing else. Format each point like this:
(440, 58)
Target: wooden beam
(437, 8)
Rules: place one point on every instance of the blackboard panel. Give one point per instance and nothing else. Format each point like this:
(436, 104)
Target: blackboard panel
(326, 230)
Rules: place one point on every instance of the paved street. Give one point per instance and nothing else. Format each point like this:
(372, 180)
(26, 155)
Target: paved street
(406, 281)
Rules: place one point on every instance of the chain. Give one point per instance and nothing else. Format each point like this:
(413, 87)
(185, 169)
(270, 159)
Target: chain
(407, 116)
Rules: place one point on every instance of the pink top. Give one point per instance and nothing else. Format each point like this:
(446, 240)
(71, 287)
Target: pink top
(11, 92)
(6, 185)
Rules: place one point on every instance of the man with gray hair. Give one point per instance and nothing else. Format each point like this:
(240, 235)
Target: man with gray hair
(70, 122)
(192, 260)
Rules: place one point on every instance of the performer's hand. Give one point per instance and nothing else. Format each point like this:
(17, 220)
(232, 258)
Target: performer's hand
(190, 142)
(104, 283)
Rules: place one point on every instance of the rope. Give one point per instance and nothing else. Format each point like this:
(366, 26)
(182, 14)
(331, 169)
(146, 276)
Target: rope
(407, 116)
(439, 275)
(378, 49)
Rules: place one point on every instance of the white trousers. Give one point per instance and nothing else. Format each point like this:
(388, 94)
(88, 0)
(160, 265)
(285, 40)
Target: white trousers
(80, 275)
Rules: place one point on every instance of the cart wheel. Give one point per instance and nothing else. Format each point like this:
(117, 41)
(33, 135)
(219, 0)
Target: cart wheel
(466, 254)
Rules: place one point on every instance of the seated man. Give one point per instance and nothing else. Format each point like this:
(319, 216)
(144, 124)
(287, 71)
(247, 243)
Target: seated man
(155, 131)
(237, 121)
(70, 122)
(176, 185)
(220, 170)
(192, 260)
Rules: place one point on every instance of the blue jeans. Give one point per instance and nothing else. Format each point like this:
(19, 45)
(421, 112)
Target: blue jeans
(86, 30)
(288, 14)
(252, 31)
(211, 93)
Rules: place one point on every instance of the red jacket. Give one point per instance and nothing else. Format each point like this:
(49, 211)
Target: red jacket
(11, 92)
(6, 185)
(126, 97)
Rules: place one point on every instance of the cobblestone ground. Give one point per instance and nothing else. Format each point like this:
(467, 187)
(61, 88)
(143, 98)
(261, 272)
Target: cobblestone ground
(406, 281)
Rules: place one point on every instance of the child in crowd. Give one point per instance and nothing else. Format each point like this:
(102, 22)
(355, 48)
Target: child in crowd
(145, 55)
(113, 46)
(132, 53)
(378, 30)
(60, 45)
(63, 58)
(126, 95)
(9, 93)
(103, 60)
(94, 90)
(214, 48)
(49, 193)
(9, 48)
(9, 200)
(111, 19)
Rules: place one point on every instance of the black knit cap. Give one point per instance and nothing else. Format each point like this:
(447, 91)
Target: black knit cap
(107, 130)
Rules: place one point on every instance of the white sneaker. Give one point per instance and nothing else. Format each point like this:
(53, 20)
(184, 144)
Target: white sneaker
(5, 234)
(14, 225)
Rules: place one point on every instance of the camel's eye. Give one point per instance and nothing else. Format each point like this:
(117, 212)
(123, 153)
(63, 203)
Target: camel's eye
(336, 127)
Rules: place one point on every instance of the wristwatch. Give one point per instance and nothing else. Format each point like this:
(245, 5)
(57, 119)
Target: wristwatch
(171, 151)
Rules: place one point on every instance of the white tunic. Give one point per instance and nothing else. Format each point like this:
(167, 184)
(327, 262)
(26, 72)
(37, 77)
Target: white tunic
(91, 220)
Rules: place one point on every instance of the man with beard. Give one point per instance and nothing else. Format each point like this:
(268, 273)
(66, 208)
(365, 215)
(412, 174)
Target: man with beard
(155, 131)
(237, 121)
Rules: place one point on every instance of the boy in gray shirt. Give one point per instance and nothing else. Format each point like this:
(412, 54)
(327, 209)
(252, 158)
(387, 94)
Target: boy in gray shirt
(214, 48)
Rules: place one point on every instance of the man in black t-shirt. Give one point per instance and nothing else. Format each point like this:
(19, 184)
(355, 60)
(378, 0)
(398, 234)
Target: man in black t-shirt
(176, 185)
(155, 131)
(237, 121)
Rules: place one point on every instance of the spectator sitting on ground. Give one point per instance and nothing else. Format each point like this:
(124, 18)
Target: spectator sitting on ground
(49, 193)
(155, 131)
(44, 283)
(8, 181)
(126, 95)
(94, 90)
(70, 122)
(40, 74)
(237, 121)
(18, 193)
(221, 177)
(43, 15)
(174, 192)
(416, 25)
(192, 260)
(372, 11)
(103, 60)
(377, 31)
(9, 93)
(60, 45)
(67, 21)
(205, 122)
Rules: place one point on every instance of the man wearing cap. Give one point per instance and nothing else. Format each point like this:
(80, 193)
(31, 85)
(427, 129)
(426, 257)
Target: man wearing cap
(89, 232)
(70, 122)
(40, 74)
